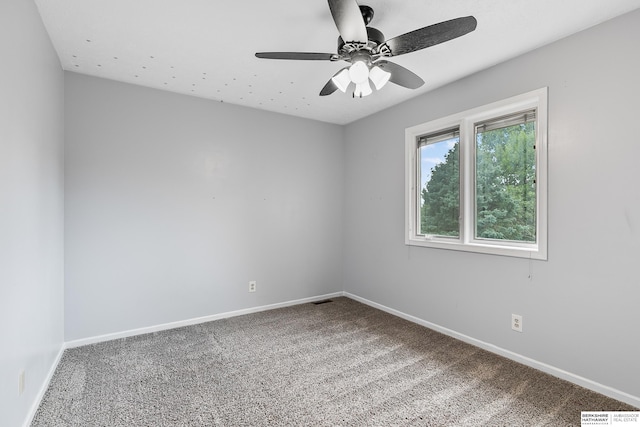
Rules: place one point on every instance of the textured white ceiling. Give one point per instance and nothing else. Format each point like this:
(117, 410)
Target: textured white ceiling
(206, 48)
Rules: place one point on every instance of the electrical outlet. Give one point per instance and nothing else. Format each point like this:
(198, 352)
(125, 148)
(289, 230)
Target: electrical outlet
(21, 383)
(252, 286)
(516, 322)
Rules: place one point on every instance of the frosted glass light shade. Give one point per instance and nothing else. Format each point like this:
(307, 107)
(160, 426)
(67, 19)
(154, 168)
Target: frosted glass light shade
(342, 80)
(359, 72)
(362, 89)
(379, 77)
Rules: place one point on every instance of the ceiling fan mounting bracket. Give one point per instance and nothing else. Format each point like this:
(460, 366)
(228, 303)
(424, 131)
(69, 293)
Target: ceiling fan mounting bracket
(367, 13)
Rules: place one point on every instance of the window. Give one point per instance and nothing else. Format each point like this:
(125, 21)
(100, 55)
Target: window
(476, 181)
(439, 166)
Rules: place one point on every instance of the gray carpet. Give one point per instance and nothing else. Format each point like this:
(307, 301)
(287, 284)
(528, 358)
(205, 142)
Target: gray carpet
(336, 364)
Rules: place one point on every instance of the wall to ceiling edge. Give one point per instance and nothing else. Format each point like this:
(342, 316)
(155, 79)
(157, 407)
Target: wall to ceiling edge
(579, 307)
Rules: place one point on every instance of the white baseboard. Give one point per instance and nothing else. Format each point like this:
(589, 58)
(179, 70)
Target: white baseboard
(43, 388)
(194, 321)
(551, 370)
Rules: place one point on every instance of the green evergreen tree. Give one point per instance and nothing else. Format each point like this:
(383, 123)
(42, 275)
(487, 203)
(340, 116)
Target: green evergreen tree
(505, 184)
(505, 188)
(441, 197)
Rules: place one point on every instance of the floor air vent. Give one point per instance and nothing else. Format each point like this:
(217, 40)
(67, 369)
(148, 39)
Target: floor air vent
(324, 301)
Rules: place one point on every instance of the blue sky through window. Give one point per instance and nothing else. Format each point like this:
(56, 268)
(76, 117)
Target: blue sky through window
(431, 155)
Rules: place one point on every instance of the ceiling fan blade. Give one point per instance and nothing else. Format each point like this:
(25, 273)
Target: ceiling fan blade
(348, 18)
(400, 75)
(330, 87)
(305, 56)
(431, 35)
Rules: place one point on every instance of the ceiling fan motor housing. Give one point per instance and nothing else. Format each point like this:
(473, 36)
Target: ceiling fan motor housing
(375, 39)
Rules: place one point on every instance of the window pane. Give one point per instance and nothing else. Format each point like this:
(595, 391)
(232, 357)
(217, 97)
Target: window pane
(439, 179)
(505, 183)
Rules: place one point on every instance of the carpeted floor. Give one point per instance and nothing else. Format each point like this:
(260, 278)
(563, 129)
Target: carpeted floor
(336, 364)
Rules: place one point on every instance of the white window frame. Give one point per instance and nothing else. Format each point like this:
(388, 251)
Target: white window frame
(466, 122)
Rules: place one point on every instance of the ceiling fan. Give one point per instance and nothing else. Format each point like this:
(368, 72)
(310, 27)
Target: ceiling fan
(365, 47)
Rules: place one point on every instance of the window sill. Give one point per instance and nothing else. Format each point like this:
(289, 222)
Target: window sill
(524, 251)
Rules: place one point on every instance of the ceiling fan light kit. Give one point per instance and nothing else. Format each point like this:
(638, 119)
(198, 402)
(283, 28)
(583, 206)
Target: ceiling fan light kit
(365, 47)
(362, 89)
(359, 72)
(379, 77)
(342, 79)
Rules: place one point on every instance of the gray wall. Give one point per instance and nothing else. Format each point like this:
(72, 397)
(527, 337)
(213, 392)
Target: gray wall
(581, 307)
(31, 207)
(173, 204)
